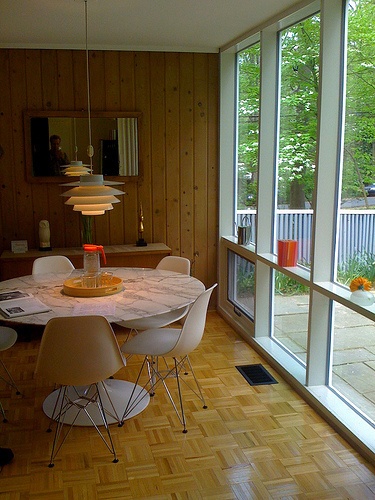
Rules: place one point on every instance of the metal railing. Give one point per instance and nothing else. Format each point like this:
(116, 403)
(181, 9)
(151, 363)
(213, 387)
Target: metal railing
(356, 231)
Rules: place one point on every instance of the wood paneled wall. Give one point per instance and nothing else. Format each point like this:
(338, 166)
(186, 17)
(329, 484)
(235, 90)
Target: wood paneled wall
(177, 94)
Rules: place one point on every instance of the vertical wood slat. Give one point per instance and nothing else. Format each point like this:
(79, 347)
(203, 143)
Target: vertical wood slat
(212, 160)
(21, 190)
(143, 102)
(6, 161)
(200, 163)
(49, 80)
(64, 78)
(113, 221)
(112, 80)
(39, 192)
(186, 155)
(66, 88)
(172, 144)
(127, 81)
(128, 102)
(79, 102)
(178, 146)
(34, 79)
(157, 94)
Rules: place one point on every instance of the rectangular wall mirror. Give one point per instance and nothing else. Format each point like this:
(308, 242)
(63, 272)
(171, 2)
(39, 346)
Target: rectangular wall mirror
(55, 138)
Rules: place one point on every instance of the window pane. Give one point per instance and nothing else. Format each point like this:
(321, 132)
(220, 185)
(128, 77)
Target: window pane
(241, 281)
(248, 135)
(353, 360)
(356, 253)
(291, 309)
(299, 85)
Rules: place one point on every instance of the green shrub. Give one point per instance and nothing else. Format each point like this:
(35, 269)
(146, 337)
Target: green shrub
(245, 280)
(362, 264)
(284, 285)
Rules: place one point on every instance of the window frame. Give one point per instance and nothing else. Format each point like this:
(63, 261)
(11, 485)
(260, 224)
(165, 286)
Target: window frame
(311, 382)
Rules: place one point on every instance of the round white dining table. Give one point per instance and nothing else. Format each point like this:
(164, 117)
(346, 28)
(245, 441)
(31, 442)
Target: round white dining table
(145, 292)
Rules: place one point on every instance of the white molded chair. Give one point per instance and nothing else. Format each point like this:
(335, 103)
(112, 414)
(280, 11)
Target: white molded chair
(170, 342)
(79, 352)
(52, 264)
(169, 263)
(175, 263)
(8, 338)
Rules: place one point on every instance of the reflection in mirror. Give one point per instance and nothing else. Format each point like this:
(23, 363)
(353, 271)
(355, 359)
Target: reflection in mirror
(55, 140)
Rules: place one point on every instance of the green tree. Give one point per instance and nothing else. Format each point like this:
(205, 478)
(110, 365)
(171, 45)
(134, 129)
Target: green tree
(299, 110)
(248, 125)
(359, 141)
(298, 116)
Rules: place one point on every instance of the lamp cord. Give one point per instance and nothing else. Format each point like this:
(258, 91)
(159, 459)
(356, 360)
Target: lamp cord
(90, 148)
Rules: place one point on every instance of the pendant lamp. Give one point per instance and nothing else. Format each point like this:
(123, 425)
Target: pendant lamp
(75, 168)
(91, 195)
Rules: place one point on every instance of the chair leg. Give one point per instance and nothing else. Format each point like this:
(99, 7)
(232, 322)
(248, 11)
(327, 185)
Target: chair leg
(5, 420)
(134, 401)
(81, 403)
(55, 415)
(10, 380)
(181, 365)
(199, 394)
(52, 417)
(108, 443)
(107, 411)
(156, 376)
(60, 421)
(154, 379)
(130, 332)
(183, 421)
(152, 368)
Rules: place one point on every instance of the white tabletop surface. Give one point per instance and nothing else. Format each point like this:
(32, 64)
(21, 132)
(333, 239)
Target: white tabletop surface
(146, 292)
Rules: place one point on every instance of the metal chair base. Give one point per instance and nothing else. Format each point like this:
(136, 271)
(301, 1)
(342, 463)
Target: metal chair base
(158, 376)
(90, 396)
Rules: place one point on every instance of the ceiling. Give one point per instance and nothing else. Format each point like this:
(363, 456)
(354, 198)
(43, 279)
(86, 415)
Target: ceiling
(158, 25)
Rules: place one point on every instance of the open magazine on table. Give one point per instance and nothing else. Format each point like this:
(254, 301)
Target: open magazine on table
(18, 303)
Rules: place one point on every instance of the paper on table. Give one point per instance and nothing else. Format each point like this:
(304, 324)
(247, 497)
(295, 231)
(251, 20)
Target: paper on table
(95, 309)
(22, 307)
(13, 295)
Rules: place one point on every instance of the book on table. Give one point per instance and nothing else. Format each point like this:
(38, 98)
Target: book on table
(18, 303)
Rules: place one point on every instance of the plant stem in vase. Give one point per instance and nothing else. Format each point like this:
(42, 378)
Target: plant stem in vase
(86, 232)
